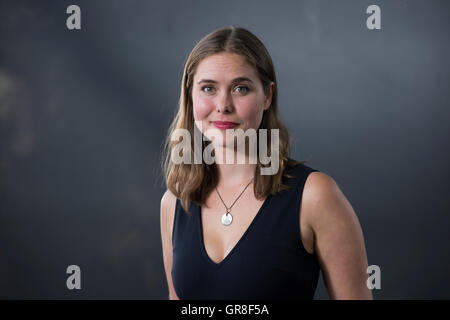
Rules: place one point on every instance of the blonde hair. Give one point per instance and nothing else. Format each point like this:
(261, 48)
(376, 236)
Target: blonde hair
(193, 182)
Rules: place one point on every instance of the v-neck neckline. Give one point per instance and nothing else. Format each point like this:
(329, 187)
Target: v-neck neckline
(236, 246)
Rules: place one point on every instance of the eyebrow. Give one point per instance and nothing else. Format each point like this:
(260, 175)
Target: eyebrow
(235, 80)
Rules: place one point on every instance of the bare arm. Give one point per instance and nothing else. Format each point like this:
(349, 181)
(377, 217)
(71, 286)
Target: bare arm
(338, 238)
(166, 219)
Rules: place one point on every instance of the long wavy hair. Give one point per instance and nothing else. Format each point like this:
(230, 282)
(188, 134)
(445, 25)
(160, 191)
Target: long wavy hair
(193, 182)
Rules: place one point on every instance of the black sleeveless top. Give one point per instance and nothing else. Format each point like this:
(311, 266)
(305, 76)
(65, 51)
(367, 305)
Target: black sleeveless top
(268, 262)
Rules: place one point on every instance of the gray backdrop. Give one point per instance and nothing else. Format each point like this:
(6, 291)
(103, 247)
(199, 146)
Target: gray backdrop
(83, 115)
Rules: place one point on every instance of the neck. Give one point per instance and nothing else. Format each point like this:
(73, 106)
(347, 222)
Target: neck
(234, 175)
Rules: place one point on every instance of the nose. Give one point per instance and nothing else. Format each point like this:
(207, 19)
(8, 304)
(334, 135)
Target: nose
(224, 103)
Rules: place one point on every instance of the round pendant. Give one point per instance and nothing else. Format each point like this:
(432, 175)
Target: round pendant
(227, 219)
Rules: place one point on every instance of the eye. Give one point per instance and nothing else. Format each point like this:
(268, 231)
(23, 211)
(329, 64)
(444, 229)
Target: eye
(206, 87)
(242, 89)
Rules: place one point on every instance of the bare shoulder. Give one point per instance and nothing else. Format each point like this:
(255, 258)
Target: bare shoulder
(318, 187)
(324, 202)
(168, 202)
(323, 199)
(314, 190)
(168, 199)
(338, 238)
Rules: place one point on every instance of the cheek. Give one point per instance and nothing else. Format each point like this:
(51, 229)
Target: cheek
(250, 111)
(202, 107)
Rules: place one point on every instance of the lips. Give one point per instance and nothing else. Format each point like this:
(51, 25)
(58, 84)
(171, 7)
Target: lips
(224, 124)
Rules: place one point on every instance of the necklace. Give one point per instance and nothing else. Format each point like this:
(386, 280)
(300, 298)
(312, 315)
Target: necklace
(227, 218)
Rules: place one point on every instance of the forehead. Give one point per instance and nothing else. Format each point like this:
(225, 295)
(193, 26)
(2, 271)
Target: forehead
(223, 66)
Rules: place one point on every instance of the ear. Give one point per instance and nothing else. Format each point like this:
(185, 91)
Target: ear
(269, 95)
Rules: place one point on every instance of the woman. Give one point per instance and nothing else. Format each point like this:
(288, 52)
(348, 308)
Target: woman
(230, 232)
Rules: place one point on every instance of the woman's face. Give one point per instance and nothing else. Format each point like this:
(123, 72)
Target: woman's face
(227, 88)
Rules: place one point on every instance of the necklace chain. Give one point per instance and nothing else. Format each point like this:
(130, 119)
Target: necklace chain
(229, 209)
